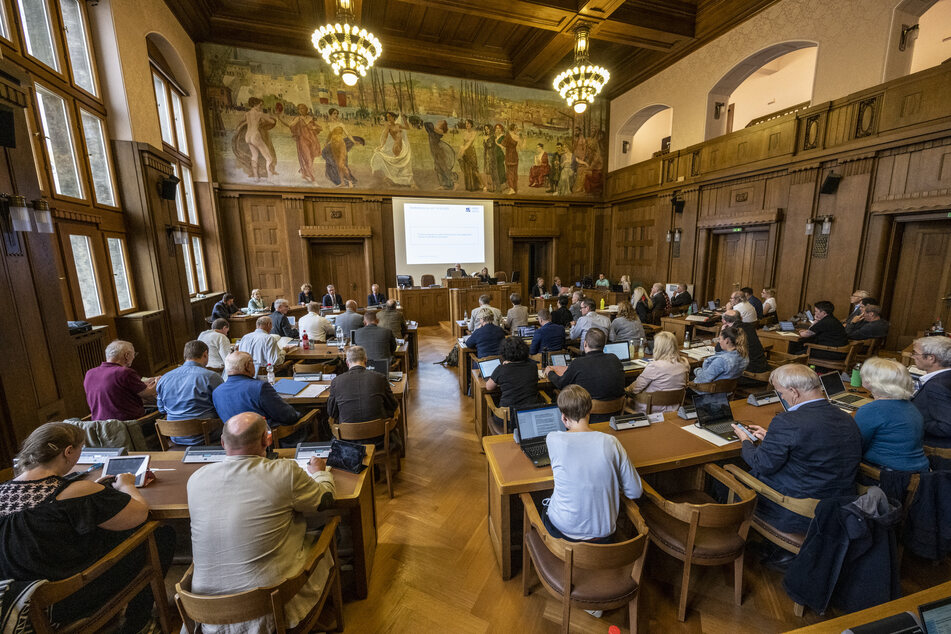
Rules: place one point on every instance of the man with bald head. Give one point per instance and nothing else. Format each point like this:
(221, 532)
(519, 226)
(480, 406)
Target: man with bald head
(256, 535)
(262, 347)
(114, 389)
(350, 320)
(242, 392)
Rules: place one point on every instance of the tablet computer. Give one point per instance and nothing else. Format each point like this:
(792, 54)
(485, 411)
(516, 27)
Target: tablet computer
(136, 465)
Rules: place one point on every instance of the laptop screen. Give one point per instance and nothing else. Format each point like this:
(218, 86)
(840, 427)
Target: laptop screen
(832, 383)
(936, 616)
(712, 408)
(488, 367)
(538, 421)
(381, 366)
(526, 331)
(559, 359)
(809, 315)
(694, 307)
(786, 326)
(619, 349)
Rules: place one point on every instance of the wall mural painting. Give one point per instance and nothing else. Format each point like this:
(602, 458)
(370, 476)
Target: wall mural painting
(287, 120)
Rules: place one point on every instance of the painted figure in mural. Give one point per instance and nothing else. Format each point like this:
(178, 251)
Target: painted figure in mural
(304, 129)
(489, 149)
(566, 180)
(594, 179)
(339, 143)
(444, 157)
(538, 174)
(257, 124)
(469, 161)
(554, 171)
(510, 143)
(392, 161)
(579, 150)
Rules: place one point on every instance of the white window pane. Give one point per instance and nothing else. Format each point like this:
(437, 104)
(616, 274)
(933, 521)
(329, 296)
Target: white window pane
(35, 19)
(161, 102)
(4, 22)
(77, 44)
(189, 188)
(99, 163)
(120, 273)
(179, 122)
(188, 269)
(86, 272)
(178, 195)
(199, 264)
(59, 143)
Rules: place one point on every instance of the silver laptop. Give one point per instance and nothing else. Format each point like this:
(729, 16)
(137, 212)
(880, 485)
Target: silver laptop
(622, 350)
(837, 394)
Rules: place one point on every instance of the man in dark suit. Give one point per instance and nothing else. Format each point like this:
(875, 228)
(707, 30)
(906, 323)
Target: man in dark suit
(826, 331)
(487, 338)
(753, 300)
(871, 326)
(359, 395)
(392, 318)
(756, 353)
(457, 267)
(280, 325)
(549, 336)
(539, 289)
(681, 298)
(379, 343)
(811, 451)
(855, 300)
(375, 298)
(224, 308)
(933, 397)
(601, 374)
(332, 299)
(349, 320)
(561, 316)
(661, 301)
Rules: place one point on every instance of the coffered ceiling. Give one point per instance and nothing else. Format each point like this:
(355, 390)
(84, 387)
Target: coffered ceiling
(520, 42)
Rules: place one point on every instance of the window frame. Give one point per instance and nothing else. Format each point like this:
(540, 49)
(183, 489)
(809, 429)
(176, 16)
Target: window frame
(121, 237)
(90, 51)
(53, 20)
(10, 37)
(82, 171)
(77, 310)
(93, 197)
(192, 236)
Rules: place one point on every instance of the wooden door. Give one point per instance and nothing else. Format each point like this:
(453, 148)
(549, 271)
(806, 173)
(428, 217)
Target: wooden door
(741, 259)
(923, 283)
(342, 264)
(532, 258)
(266, 249)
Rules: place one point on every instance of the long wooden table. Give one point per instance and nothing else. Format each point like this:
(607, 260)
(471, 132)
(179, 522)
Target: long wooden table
(775, 340)
(320, 351)
(241, 324)
(167, 498)
(660, 447)
(680, 326)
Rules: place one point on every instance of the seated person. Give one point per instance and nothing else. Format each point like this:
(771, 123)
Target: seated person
(256, 535)
(487, 338)
(483, 275)
(517, 315)
(375, 298)
(219, 346)
(739, 304)
(933, 397)
(332, 299)
(892, 428)
(550, 336)
(224, 308)
(681, 298)
(539, 289)
(516, 378)
(458, 267)
(625, 283)
(53, 529)
(826, 331)
(485, 302)
(305, 296)
(575, 307)
(642, 305)
(602, 282)
(871, 326)
(626, 326)
(317, 327)
(557, 288)
(858, 315)
(350, 319)
(729, 363)
(855, 302)
(811, 451)
(114, 389)
(242, 392)
(185, 393)
(255, 303)
(590, 318)
(360, 395)
(601, 375)
(562, 315)
(379, 343)
(391, 317)
(590, 470)
(661, 301)
(261, 346)
(753, 301)
(769, 301)
(280, 324)
(668, 371)
(754, 347)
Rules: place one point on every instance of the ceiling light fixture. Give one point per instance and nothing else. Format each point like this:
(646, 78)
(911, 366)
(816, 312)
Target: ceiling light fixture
(349, 49)
(581, 83)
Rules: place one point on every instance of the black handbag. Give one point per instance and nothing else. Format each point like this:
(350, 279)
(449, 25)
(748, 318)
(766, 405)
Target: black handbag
(347, 456)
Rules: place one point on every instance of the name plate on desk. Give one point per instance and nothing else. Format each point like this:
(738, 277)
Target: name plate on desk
(204, 453)
(92, 455)
(687, 412)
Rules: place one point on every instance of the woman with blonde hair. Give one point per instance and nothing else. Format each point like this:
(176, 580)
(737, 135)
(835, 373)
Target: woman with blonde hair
(626, 326)
(255, 304)
(892, 429)
(625, 284)
(769, 300)
(729, 362)
(668, 371)
(642, 303)
(305, 296)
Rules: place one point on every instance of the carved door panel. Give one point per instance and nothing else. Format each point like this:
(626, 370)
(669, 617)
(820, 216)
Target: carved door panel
(741, 260)
(341, 264)
(923, 283)
(267, 248)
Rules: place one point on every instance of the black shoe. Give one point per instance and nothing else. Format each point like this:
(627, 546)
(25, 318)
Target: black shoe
(778, 560)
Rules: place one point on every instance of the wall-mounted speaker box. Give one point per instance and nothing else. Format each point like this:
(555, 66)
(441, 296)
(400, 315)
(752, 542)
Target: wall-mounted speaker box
(830, 184)
(7, 133)
(168, 187)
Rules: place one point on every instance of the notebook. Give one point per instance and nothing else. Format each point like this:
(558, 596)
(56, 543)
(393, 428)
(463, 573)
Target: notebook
(532, 426)
(837, 394)
(715, 415)
(289, 387)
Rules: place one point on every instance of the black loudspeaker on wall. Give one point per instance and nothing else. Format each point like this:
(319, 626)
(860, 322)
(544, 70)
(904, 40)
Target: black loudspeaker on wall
(7, 136)
(830, 184)
(168, 186)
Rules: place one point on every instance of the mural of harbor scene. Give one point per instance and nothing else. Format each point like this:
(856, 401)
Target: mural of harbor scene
(287, 120)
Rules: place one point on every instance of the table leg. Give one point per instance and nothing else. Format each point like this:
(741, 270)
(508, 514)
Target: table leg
(500, 526)
(362, 520)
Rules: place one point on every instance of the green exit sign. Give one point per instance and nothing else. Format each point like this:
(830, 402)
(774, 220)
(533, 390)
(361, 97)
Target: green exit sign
(739, 229)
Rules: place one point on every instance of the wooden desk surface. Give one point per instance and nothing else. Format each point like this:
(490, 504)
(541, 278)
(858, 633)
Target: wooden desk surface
(399, 389)
(323, 351)
(774, 339)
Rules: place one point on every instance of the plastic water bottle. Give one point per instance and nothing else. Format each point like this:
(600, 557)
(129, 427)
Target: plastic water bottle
(686, 341)
(270, 373)
(602, 303)
(856, 379)
(304, 341)
(338, 335)
(465, 315)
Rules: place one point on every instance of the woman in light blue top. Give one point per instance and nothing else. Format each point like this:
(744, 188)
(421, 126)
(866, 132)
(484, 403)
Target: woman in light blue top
(730, 362)
(255, 303)
(892, 428)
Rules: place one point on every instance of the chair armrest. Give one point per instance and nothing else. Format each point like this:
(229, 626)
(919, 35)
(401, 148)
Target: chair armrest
(717, 472)
(544, 396)
(633, 512)
(805, 507)
(495, 409)
(532, 513)
(870, 471)
(815, 346)
(147, 418)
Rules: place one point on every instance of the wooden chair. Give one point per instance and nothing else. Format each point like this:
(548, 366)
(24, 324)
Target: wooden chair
(608, 408)
(151, 574)
(373, 429)
(651, 329)
(941, 452)
(727, 386)
(165, 429)
(660, 398)
(310, 367)
(875, 474)
(310, 419)
(766, 320)
(501, 276)
(692, 527)
(871, 348)
(251, 604)
(598, 576)
(841, 365)
(427, 280)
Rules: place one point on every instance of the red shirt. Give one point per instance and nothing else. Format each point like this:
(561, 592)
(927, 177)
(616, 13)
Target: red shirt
(112, 391)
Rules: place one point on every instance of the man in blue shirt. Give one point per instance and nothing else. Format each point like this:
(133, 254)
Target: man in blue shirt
(185, 393)
(487, 338)
(753, 300)
(549, 337)
(244, 393)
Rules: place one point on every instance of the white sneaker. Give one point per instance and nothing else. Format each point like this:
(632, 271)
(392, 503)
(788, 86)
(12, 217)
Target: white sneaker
(595, 613)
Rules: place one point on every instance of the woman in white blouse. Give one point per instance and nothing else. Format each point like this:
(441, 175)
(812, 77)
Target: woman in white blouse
(769, 300)
(668, 371)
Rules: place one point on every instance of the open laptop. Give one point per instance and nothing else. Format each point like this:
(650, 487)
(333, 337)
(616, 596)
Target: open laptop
(559, 358)
(532, 425)
(809, 316)
(936, 616)
(837, 394)
(622, 350)
(382, 366)
(787, 326)
(715, 415)
(488, 367)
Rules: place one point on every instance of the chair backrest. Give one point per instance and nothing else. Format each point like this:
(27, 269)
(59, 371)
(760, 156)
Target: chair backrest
(501, 276)
(165, 429)
(363, 431)
(427, 280)
(715, 387)
(941, 452)
(731, 513)
(661, 398)
(614, 406)
(281, 432)
(309, 367)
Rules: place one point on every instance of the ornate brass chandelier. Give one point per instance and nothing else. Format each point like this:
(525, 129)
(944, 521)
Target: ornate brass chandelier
(349, 49)
(581, 83)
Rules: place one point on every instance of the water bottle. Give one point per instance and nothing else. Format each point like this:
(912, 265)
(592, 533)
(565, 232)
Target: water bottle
(686, 341)
(549, 308)
(270, 373)
(304, 342)
(602, 303)
(641, 344)
(465, 315)
(338, 335)
(856, 379)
